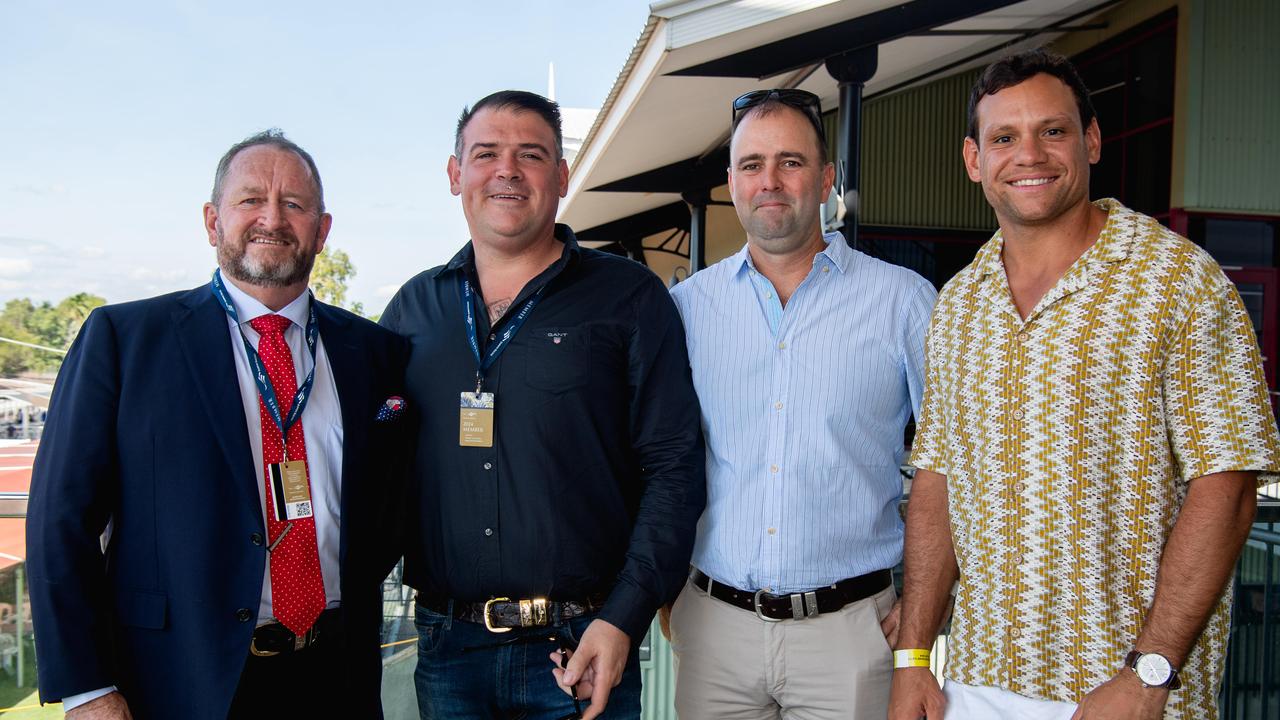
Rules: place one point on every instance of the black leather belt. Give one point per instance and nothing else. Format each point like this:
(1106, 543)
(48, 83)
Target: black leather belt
(274, 638)
(795, 606)
(504, 614)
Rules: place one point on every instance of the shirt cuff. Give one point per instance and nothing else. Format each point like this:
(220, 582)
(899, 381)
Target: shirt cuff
(630, 610)
(75, 701)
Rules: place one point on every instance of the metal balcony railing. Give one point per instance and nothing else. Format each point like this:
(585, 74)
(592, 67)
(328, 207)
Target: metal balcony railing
(1250, 689)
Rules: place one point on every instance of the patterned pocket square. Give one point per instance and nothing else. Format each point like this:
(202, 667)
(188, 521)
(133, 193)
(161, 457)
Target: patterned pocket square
(392, 409)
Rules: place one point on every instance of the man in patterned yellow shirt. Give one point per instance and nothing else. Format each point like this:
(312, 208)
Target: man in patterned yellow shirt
(1095, 425)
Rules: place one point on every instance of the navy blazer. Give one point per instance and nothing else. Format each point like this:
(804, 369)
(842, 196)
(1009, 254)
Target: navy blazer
(146, 430)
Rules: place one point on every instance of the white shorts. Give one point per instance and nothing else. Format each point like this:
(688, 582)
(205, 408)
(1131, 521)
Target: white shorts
(972, 702)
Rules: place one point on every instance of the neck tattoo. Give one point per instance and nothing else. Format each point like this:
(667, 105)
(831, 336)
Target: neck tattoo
(497, 309)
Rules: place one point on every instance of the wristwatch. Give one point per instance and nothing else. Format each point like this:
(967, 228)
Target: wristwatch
(1153, 670)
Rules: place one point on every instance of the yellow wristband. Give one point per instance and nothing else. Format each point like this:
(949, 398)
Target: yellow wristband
(910, 658)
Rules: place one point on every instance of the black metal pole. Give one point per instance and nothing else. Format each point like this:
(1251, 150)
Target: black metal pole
(698, 200)
(852, 69)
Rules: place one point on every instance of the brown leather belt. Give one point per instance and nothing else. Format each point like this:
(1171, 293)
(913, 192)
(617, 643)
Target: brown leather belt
(274, 638)
(795, 606)
(504, 614)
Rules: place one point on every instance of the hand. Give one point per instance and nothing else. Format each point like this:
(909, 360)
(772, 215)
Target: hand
(889, 625)
(915, 694)
(108, 707)
(597, 665)
(586, 684)
(1122, 697)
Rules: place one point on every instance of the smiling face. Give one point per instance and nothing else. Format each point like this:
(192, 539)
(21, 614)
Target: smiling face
(267, 225)
(1031, 154)
(778, 179)
(509, 177)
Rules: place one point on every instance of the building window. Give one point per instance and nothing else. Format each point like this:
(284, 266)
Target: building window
(1131, 83)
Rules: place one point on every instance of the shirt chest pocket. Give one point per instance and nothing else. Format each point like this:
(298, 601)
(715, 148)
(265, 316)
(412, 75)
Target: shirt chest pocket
(559, 358)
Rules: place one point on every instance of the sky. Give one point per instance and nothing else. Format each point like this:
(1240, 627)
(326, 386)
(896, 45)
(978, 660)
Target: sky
(115, 114)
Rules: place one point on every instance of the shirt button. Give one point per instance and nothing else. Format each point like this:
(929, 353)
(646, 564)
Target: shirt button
(826, 268)
(1023, 337)
(244, 615)
(488, 466)
(773, 531)
(777, 405)
(488, 532)
(1019, 487)
(492, 337)
(782, 345)
(773, 468)
(256, 538)
(1017, 414)
(768, 295)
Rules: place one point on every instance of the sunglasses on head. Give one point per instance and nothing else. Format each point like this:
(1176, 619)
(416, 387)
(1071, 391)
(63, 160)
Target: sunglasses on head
(802, 100)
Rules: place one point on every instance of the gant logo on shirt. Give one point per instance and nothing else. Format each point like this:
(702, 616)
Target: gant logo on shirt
(557, 337)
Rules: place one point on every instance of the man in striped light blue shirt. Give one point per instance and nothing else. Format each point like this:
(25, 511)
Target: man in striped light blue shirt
(808, 360)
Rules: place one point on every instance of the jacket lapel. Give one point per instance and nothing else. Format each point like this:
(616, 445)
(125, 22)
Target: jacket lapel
(203, 335)
(351, 378)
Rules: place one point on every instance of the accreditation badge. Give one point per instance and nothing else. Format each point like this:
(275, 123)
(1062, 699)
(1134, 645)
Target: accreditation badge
(475, 420)
(290, 490)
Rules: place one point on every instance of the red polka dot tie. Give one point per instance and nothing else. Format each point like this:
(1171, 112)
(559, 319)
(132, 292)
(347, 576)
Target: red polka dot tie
(297, 588)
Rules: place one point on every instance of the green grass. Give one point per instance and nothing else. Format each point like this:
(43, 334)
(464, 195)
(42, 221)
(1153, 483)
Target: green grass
(24, 700)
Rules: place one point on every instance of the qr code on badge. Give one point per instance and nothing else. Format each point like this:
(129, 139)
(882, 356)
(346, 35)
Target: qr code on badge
(300, 510)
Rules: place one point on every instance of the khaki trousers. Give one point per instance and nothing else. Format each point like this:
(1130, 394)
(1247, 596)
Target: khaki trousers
(730, 665)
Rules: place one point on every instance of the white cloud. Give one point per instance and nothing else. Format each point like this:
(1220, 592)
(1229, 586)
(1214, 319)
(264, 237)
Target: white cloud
(50, 189)
(91, 252)
(386, 291)
(14, 267)
(145, 274)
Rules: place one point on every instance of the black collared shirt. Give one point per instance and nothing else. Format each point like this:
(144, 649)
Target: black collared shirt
(596, 479)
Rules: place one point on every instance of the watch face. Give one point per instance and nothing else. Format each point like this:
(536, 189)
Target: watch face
(1153, 669)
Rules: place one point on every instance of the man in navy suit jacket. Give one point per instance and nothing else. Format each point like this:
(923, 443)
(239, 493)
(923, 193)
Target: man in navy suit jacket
(148, 532)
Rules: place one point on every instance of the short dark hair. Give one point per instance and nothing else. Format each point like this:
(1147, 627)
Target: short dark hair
(1014, 69)
(520, 101)
(273, 137)
(773, 104)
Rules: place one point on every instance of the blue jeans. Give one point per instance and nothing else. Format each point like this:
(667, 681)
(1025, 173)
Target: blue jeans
(463, 675)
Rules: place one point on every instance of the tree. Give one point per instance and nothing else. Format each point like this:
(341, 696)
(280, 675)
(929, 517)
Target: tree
(54, 326)
(14, 319)
(329, 278)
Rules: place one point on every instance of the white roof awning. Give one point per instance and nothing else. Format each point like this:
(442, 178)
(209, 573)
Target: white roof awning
(670, 104)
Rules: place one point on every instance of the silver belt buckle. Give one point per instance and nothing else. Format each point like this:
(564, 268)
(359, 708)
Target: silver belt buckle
(755, 601)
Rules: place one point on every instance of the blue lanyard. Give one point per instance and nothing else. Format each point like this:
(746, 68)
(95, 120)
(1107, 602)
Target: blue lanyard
(501, 341)
(260, 373)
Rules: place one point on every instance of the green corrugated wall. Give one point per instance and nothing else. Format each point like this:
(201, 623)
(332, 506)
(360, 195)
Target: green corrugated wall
(659, 678)
(1233, 112)
(921, 183)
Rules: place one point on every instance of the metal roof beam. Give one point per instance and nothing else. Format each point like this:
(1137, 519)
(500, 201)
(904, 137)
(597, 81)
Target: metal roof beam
(817, 45)
(691, 174)
(640, 225)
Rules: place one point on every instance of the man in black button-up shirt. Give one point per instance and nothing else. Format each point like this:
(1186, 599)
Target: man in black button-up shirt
(588, 491)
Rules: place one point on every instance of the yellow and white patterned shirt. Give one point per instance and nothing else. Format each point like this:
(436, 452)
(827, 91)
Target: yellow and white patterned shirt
(1068, 441)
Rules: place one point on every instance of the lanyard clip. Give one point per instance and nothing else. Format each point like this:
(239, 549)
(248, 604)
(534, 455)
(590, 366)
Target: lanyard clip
(479, 382)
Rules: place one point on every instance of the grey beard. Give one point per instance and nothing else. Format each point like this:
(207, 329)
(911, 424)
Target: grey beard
(236, 263)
